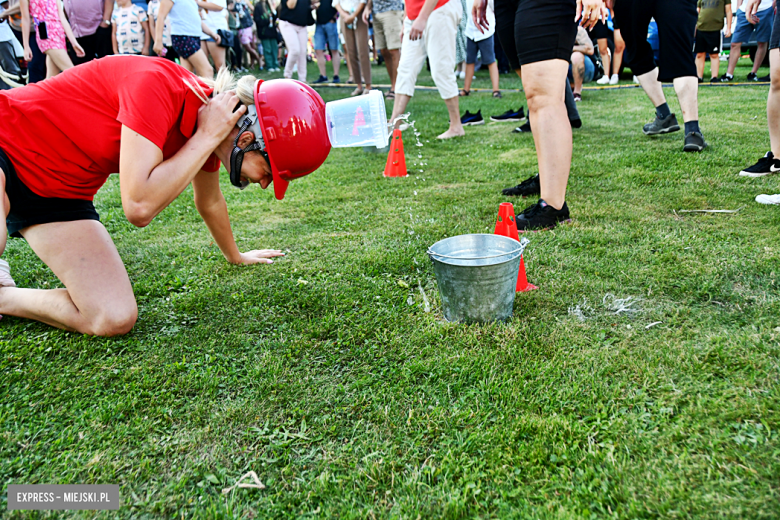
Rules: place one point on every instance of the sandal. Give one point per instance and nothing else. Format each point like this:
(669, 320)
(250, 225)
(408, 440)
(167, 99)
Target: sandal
(497, 94)
(390, 94)
(358, 91)
(464, 93)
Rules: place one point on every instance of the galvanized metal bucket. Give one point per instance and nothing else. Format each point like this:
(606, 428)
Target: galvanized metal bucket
(477, 276)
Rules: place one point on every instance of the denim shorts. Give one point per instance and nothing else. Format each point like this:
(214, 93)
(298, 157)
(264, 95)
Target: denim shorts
(326, 33)
(763, 28)
(590, 71)
(485, 48)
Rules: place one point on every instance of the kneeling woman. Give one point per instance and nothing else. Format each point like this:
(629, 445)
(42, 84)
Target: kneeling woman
(161, 128)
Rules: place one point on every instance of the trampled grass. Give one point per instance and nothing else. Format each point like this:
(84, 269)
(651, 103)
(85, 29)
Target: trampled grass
(324, 374)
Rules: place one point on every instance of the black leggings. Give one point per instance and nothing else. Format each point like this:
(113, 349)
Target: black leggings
(676, 21)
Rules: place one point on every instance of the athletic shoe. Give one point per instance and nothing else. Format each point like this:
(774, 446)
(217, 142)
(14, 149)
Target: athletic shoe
(715, 80)
(661, 126)
(321, 79)
(528, 187)
(701, 80)
(470, 119)
(614, 79)
(510, 115)
(752, 76)
(726, 77)
(604, 80)
(765, 79)
(694, 142)
(526, 128)
(541, 216)
(577, 97)
(767, 165)
(768, 199)
(336, 79)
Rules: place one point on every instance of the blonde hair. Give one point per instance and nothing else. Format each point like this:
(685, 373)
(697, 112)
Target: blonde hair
(226, 80)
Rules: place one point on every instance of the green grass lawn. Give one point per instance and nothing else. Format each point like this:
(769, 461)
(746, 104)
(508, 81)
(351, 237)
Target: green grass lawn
(324, 374)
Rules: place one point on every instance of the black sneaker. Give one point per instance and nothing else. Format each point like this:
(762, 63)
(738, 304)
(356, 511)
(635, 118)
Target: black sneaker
(526, 128)
(510, 115)
(541, 216)
(694, 142)
(530, 186)
(767, 165)
(752, 76)
(701, 80)
(336, 79)
(765, 79)
(662, 126)
(321, 79)
(470, 119)
(715, 80)
(726, 77)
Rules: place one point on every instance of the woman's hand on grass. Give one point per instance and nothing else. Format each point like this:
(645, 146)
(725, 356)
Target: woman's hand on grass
(217, 119)
(259, 256)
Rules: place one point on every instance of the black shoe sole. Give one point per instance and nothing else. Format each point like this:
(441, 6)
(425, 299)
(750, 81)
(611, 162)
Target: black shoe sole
(513, 120)
(669, 130)
(474, 123)
(694, 148)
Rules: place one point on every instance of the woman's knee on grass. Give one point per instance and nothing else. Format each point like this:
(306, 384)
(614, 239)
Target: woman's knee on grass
(116, 319)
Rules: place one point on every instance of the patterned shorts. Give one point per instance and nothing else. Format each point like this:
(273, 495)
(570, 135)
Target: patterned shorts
(185, 46)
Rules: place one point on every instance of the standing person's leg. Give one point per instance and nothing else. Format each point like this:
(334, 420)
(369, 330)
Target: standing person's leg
(332, 34)
(700, 59)
(388, 26)
(350, 42)
(303, 42)
(676, 25)
(742, 33)
(5, 207)
(321, 61)
(617, 59)
(290, 36)
(773, 100)
(761, 51)
(606, 60)
(412, 60)
(200, 65)
(471, 60)
(439, 36)
(59, 59)
(320, 41)
(217, 54)
(714, 65)
(364, 53)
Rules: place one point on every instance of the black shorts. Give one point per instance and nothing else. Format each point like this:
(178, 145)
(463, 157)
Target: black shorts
(531, 31)
(28, 208)
(708, 42)
(185, 46)
(774, 40)
(600, 31)
(676, 25)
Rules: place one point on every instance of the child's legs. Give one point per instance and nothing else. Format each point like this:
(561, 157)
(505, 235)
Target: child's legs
(469, 76)
(700, 57)
(714, 65)
(493, 70)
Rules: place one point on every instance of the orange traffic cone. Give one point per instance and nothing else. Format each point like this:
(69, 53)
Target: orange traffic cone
(506, 226)
(396, 161)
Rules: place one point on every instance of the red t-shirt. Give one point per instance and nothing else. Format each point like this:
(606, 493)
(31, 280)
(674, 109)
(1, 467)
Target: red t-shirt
(413, 7)
(62, 135)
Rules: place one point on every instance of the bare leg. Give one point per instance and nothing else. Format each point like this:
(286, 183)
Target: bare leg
(773, 101)
(5, 207)
(60, 60)
(469, 77)
(321, 62)
(544, 84)
(217, 54)
(734, 52)
(335, 59)
(578, 70)
(620, 46)
(653, 87)
(200, 63)
(493, 70)
(760, 55)
(391, 57)
(186, 64)
(604, 52)
(255, 57)
(456, 128)
(98, 298)
(687, 89)
(51, 69)
(399, 107)
(714, 66)
(700, 58)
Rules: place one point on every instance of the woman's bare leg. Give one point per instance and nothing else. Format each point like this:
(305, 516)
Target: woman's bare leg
(200, 65)
(5, 207)
(217, 54)
(97, 299)
(59, 59)
(544, 84)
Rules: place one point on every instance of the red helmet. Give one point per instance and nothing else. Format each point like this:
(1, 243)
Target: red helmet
(292, 118)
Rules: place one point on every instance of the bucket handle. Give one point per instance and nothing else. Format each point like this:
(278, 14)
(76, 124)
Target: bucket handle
(523, 244)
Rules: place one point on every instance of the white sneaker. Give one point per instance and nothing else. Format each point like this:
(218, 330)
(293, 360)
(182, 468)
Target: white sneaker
(604, 80)
(636, 80)
(768, 199)
(5, 275)
(614, 79)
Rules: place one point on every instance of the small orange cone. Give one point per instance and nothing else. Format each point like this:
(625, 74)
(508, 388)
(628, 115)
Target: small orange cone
(396, 160)
(506, 226)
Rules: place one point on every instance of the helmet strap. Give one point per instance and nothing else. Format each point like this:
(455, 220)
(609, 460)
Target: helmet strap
(237, 156)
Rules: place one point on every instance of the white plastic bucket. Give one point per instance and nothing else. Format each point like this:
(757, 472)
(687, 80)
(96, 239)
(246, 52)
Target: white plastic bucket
(357, 121)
